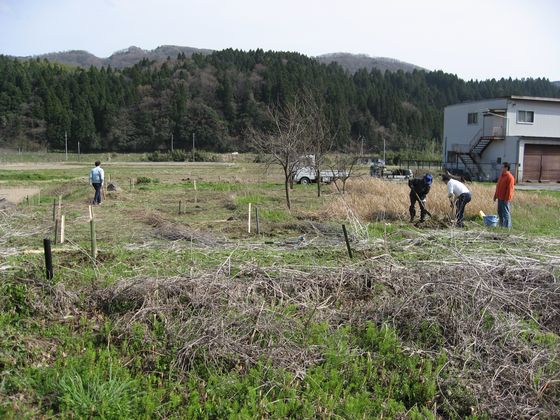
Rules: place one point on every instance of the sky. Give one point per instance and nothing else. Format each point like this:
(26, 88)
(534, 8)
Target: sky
(475, 39)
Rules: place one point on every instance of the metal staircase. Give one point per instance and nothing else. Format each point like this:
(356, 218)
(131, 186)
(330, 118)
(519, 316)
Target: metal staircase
(493, 128)
(480, 145)
(471, 158)
(472, 169)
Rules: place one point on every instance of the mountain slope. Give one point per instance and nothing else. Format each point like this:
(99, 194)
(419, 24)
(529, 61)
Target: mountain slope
(120, 59)
(354, 62)
(133, 55)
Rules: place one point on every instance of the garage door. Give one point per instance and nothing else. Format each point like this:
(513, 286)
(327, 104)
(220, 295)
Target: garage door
(541, 163)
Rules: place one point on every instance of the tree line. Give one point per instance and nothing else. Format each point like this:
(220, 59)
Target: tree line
(223, 96)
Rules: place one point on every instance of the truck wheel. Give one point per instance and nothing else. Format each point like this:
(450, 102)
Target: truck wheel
(304, 180)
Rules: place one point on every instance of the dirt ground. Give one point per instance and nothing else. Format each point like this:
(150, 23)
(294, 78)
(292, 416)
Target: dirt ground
(16, 195)
(60, 165)
(38, 165)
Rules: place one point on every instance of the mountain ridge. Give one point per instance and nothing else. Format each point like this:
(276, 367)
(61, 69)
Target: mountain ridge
(126, 57)
(354, 62)
(131, 55)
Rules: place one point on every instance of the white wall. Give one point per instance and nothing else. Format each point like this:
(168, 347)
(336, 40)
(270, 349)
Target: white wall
(456, 130)
(545, 129)
(547, 119)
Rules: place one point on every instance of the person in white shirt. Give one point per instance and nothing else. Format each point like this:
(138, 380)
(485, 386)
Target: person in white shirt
(96, 179)
(459, 196)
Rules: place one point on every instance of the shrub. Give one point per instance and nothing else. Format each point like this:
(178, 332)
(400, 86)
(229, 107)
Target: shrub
(178, 156)
(157, 157)
(146, 180)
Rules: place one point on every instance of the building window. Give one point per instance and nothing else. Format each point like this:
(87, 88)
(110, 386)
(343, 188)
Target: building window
(472, 118)
(525, 116)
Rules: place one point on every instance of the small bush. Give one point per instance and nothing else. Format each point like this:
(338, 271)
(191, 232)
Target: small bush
(178, 156)
(146, 180)
(92, 385)
(157, 157)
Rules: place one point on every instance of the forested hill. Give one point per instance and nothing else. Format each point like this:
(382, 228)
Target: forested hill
(120, 59)
(355, 62)
(220, 95)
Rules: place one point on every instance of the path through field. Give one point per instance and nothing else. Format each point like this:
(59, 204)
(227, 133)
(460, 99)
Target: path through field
(17, 195)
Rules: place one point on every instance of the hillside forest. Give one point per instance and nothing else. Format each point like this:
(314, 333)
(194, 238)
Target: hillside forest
(220, 97)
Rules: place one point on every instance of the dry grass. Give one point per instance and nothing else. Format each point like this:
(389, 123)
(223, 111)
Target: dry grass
(175, 231)
(375, 199)
(491, 319)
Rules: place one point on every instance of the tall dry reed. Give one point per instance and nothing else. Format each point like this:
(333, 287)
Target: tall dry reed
(373, 199)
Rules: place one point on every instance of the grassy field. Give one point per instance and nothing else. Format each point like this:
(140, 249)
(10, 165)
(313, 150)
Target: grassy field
(185, 314)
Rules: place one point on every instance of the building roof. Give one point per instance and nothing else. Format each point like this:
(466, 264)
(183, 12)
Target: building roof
(512, 97)
(533, 98)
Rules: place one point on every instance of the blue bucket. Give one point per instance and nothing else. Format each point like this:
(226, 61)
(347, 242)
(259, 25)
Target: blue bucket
(491, 221)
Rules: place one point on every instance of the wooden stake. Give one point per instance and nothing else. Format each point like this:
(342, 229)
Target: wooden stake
(59, 212)
(54, 210)
(257, 219)
(93, 239)
(195, 192)
(249, 220)
(56, 224)
(90, 213)
(48, 258)
(62, 229)
(347, 241)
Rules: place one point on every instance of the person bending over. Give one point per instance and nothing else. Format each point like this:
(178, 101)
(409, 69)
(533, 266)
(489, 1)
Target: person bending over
(419, 189)
(459, 196)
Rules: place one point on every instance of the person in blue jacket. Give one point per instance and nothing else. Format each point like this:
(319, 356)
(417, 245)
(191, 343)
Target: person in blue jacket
(96, 179)
(419, 189)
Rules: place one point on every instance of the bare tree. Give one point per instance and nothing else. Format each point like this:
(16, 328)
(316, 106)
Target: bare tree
(320, 137)
(342, 164)
(284, 143)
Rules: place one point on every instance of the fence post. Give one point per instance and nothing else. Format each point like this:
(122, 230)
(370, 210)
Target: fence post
(56, 230)
(48, 258)
(249, 219)
(62, 229)
(93, 239)
(347, 241)
(54, 210)
(257, 219)
(59, 211)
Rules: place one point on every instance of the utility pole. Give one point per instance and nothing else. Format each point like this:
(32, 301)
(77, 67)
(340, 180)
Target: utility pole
(171, 142)
(66, 145)
(384, 149)
(362, 148)
(193, 147)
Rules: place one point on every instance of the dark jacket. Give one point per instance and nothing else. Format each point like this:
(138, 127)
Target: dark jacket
(419, 186)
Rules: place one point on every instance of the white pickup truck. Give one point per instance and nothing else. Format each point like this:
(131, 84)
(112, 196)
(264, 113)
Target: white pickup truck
(308, 174)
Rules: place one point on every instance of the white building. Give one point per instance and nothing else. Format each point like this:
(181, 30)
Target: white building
(525, 131)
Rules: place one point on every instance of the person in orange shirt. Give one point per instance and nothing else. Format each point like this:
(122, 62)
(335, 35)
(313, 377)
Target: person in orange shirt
(504, 194)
